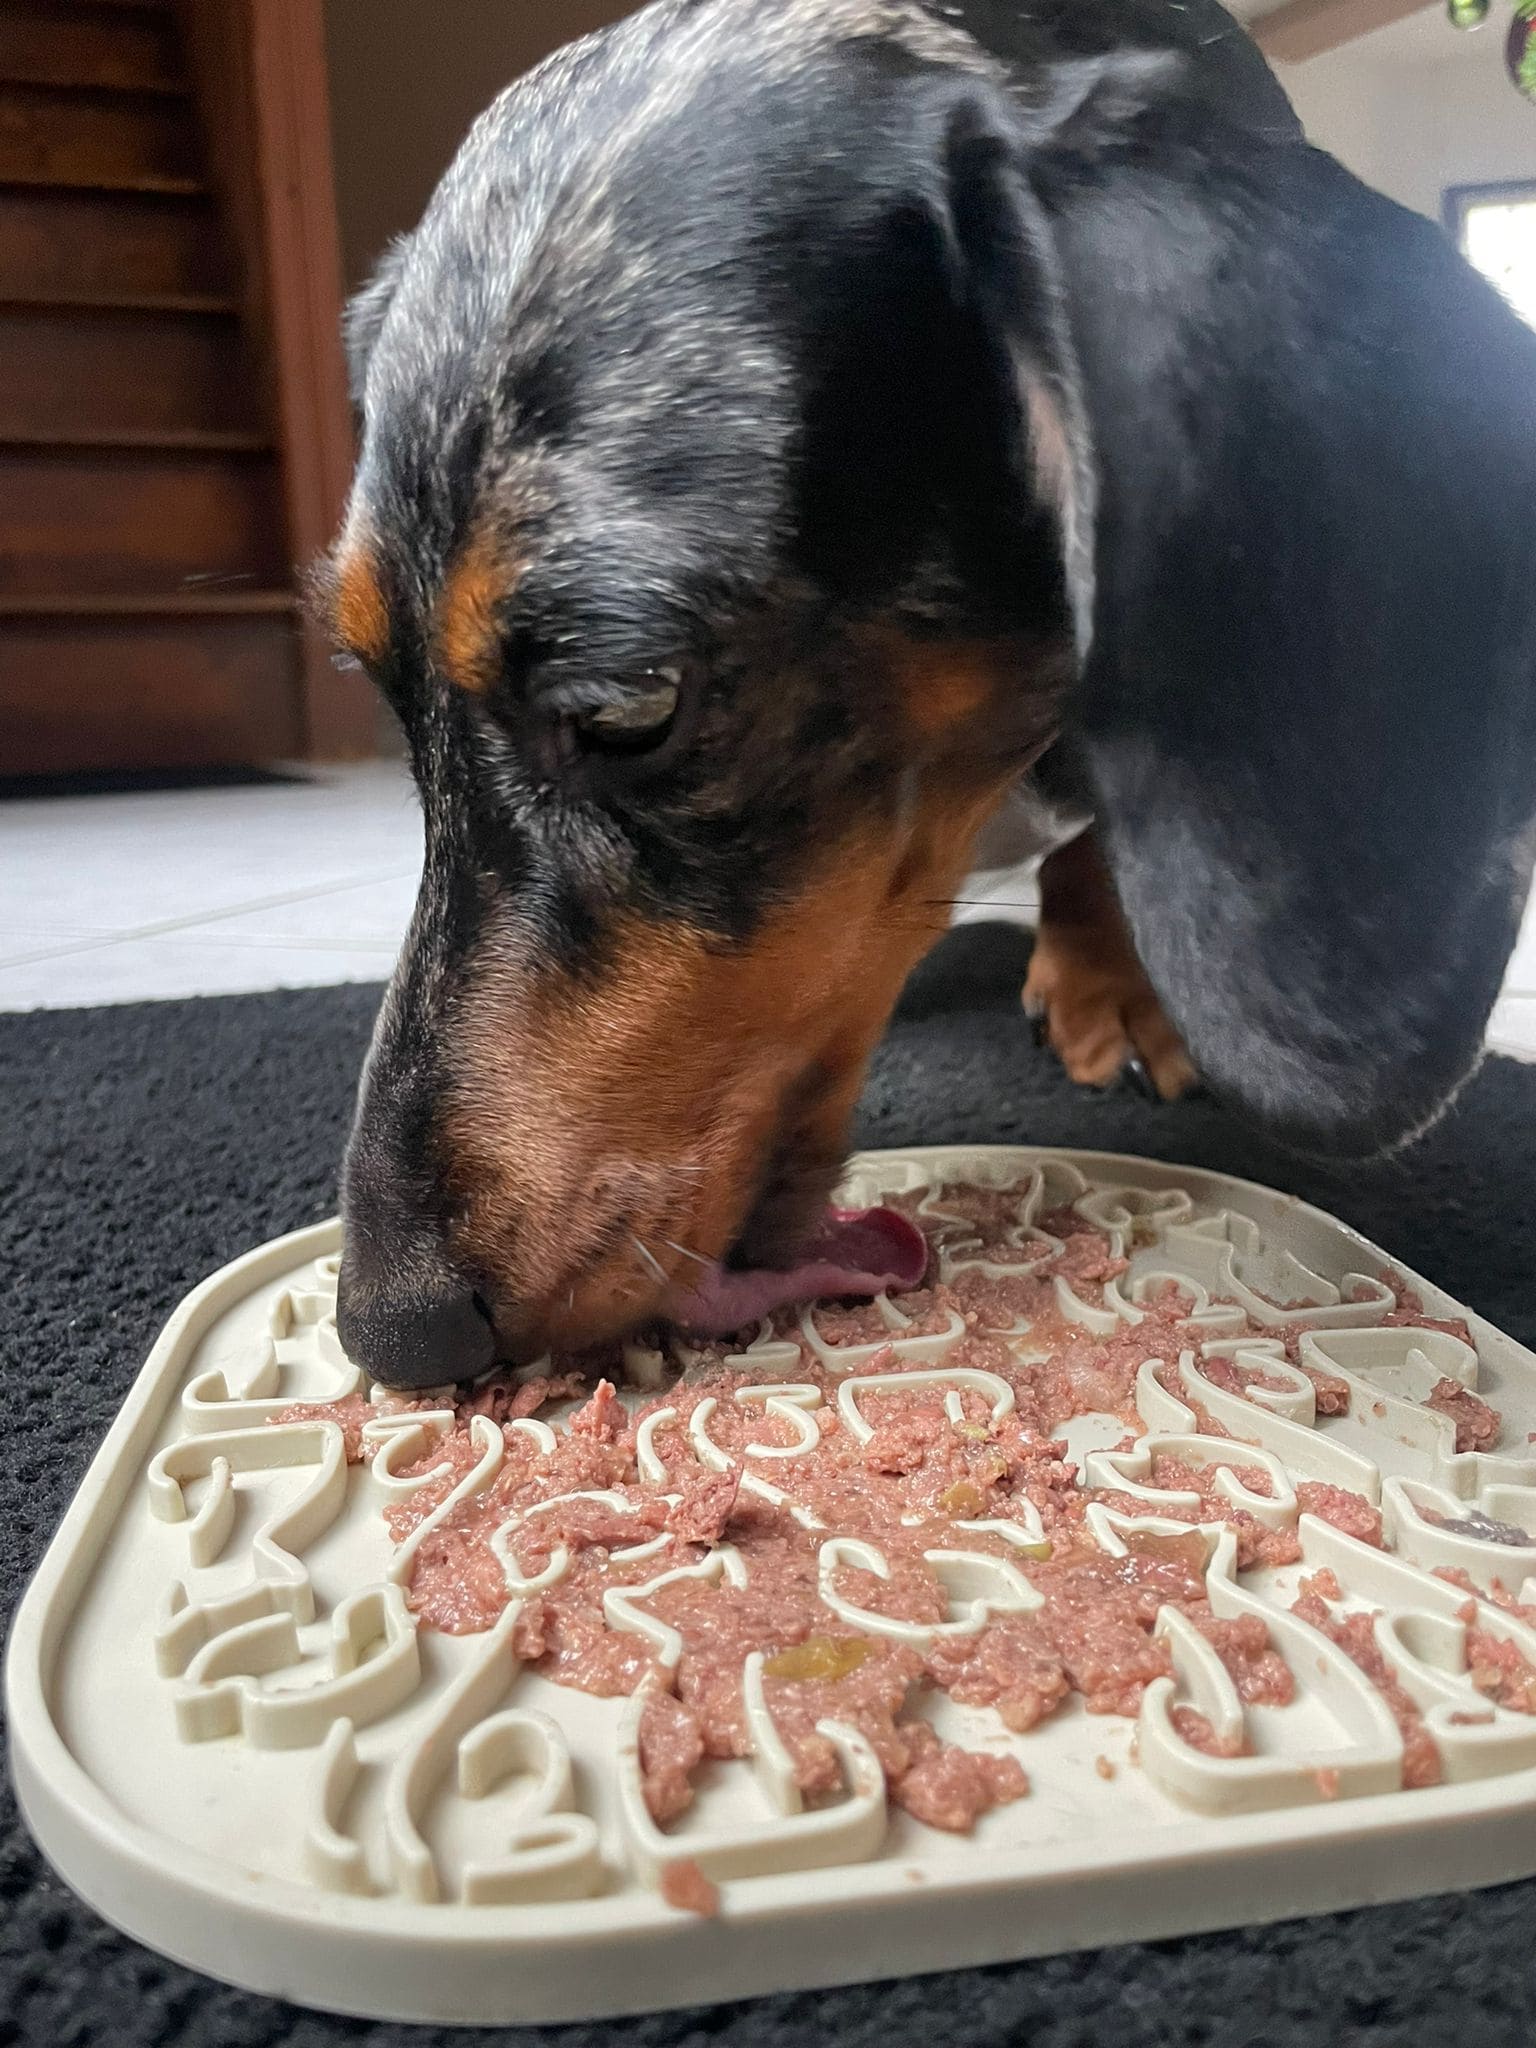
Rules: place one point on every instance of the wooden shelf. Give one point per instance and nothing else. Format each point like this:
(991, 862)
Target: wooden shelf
(136, 605)
(118, 302)
(141, 440)
(135, 181)
(100, 88)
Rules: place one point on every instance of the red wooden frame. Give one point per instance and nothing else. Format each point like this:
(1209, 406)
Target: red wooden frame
(259, 68)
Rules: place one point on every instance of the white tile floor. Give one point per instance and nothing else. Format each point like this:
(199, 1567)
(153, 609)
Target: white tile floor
(116, 899)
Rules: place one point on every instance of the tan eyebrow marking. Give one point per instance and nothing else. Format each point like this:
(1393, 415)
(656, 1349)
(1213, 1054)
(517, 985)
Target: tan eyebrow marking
(359, 615)
(466, 627)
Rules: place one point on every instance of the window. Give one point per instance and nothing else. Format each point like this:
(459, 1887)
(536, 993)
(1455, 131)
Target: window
(1495, 229)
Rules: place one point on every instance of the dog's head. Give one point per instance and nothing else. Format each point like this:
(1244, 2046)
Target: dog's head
(738, 501)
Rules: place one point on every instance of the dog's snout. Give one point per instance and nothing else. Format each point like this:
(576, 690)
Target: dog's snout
(408, 1333)
(406, 1310)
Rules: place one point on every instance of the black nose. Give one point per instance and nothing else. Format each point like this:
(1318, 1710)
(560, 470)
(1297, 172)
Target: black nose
(419, 1333)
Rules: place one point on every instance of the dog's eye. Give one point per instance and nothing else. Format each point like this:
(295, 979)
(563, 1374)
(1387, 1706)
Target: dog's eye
(635, 722)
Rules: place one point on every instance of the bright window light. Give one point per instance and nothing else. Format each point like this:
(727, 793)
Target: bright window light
(1496, 228)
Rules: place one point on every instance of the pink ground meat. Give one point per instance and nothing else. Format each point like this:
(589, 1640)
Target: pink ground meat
(1238, 1379)
(1030, 1255)
(671, 1747)
(348, 1415)
(1013, 1667)
(1498, 1594)
(1355, 1636)
(604, 1417)
(861, 1325)
(1000, 1304)
(1477, 1425)
(1174, 1475)
(1410, 1312)
(1196, 1730)
(685, 1886)
(1497, 1668)
(904, 1489)
(1098, 1618)
(927, 1310)
(1256, 1668)
(1085, 1258)
(1348, 1511)
(1257, 1543)
(704, 1511)
(1330, 1393)
(951, 1788)
(983, 1208)
(507, 1400)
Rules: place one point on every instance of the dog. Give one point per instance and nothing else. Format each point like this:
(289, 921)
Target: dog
(801, 432)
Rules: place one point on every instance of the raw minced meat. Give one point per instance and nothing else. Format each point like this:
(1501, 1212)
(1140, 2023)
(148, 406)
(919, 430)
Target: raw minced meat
(951, 1788)
(604, 1417)
(1477, 1425)
(1497, 1594)
(1193, 1728)
(1355, 1634)
(984, 1208)
(1330, 1393)
(1241, 1379)
(1410, 1313)
(1013, 1667)
(917, 1475)
(1000, 1304)
(1255, 1666)
(1257, 1543)
(671, 1747)
(928, 1312)
(685, 1886)
(860, 1324)
(1347, 1510)
(1085, 1257)
(1497, 1668)
(508, 1400)
(349, 1415)
(703, 1512)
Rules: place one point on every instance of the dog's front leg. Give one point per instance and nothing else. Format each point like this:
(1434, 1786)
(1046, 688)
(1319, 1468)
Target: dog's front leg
(1086, 987)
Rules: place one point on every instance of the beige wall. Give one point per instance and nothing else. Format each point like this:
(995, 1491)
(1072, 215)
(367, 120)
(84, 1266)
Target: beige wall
(1417, 107)
(407, 78)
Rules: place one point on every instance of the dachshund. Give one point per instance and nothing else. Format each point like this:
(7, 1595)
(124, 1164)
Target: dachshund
(803, 433)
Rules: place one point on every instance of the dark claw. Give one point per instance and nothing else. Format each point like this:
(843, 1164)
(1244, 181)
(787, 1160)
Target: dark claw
(1039, 1025)
(1136, 1073)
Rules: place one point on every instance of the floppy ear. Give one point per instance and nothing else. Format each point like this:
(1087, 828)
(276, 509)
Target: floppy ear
(1300, 522)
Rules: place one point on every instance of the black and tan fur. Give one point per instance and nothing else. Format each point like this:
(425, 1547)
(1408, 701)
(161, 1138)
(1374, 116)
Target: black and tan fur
(945, 401)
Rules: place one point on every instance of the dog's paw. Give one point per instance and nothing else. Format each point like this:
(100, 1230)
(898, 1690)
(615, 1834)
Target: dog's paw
(1093, 1004)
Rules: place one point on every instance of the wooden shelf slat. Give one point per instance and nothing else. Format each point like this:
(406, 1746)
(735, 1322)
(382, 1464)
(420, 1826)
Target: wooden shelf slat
(62, 301)
(140, 440)
(101, 88)
(179, 604)
(103, 181)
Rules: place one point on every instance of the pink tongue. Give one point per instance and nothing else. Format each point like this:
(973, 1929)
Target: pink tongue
(856, 1251)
